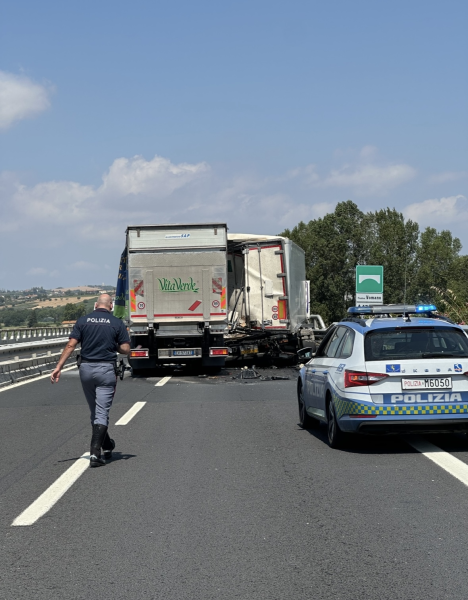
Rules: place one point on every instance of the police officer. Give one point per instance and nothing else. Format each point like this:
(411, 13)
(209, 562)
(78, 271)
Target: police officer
(101, 335)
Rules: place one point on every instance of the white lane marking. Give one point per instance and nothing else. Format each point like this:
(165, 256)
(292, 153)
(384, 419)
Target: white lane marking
(128, 416)
(52, 494)
(163, 381)
(33, 379)
(446, 461)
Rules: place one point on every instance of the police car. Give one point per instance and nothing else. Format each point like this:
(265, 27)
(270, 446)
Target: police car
(387, 369)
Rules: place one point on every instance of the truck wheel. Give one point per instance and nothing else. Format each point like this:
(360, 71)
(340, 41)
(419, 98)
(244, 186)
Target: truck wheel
(305, 420)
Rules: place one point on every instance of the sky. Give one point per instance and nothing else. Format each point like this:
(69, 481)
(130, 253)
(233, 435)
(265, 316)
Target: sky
(255, 113)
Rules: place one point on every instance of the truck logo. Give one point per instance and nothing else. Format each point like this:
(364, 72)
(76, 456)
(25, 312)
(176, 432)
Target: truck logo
(176, 284)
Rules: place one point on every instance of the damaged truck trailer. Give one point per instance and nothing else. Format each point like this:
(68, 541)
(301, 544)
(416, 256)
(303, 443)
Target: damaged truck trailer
(268, 297)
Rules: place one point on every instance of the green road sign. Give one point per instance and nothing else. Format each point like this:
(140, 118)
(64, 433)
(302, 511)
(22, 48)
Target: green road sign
(369, 279)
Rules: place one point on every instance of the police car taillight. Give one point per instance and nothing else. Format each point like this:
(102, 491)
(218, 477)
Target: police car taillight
(355, 378)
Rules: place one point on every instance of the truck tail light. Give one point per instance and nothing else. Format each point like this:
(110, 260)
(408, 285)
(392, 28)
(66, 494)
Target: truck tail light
(356, 378)
(282, 314)
(219, 351)
(139, 353)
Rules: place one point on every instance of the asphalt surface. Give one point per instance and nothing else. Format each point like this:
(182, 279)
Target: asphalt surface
(216, 492)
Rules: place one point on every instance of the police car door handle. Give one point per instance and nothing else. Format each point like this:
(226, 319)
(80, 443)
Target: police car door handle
(325, 372)
(313, 370)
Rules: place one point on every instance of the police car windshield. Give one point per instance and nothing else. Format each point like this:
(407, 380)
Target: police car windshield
(408, 343)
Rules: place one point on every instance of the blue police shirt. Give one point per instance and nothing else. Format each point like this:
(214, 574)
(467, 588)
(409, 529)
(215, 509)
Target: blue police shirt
(100, 334)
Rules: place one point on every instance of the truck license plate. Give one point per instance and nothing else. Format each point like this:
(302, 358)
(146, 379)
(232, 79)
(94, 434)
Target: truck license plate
(183, 353)
(427, 383)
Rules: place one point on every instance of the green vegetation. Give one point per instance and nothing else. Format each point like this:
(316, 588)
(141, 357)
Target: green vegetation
(429, 262)
(25, 317)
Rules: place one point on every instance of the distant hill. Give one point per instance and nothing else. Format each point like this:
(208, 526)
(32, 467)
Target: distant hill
(85, 289)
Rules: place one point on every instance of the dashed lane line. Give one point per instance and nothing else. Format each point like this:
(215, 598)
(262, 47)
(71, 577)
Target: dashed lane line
(163, 381)
(33, 379)
(128, 416)
(53, 493)
(456, 467)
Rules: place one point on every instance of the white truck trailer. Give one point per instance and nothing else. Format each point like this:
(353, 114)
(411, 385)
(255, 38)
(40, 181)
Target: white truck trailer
(177, 294)
(268, 296)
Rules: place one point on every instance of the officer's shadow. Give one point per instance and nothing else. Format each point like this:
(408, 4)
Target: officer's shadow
(116, 456)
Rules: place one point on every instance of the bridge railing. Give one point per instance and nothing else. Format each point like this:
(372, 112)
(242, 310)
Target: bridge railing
(19, 334)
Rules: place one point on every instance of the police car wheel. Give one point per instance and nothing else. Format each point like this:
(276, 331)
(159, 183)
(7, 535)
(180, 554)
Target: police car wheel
(335, 435)
(305, 420)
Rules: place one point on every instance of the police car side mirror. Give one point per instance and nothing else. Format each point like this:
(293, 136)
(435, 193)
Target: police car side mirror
(307, 353)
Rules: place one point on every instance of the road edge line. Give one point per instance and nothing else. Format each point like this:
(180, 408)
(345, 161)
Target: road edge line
(456, 467)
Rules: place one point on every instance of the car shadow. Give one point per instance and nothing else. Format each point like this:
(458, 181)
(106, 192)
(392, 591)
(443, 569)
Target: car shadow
(366, 444)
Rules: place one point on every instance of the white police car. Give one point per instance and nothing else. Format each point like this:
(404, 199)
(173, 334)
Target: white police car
(387, 374)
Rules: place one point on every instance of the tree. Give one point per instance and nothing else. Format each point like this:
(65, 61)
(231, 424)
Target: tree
(68, 312)
(334, 245)
(436, 262)
(393, 243)
(459, 278)
(80, 310)
(32, 319)
(71, 312)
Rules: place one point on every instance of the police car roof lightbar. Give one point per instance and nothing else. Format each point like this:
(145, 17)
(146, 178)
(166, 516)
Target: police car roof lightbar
(386, 309)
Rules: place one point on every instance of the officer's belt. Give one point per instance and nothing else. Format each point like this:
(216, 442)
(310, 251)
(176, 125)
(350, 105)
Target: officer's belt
(97, 360)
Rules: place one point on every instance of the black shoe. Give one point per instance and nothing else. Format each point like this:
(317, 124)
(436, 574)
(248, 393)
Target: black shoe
(108, 446)
(99, 433)
(96, 461)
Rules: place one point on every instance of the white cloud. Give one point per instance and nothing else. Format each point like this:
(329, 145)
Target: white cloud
(42, 271)
(132, 190)
(362, 176)
(448, 176)
(83, 265)
(369, 179)
(158, 177)
(438, 211)
(368, 152)
(69, 222)
(21, 98)
(37, 271)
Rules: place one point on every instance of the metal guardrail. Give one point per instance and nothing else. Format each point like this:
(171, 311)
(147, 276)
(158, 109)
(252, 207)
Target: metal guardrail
(14, 371)
(34, 333)
(22, 347)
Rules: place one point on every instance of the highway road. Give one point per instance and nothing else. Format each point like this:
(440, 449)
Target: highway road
(217, 493)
